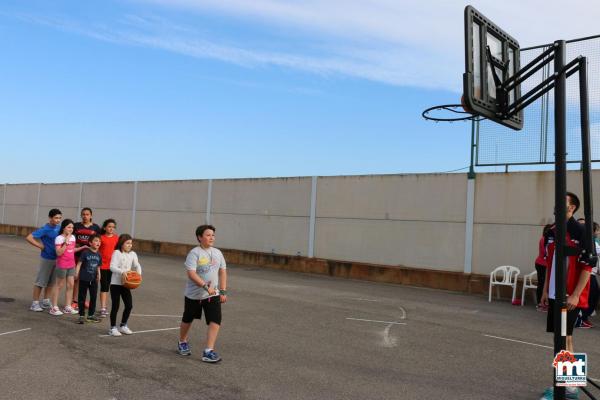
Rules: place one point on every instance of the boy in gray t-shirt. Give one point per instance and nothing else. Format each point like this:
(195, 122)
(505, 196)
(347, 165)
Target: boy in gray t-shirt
(205, 290)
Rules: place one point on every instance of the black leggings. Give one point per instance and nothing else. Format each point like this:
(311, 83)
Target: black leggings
(541, 279)
(116, 293)
(84, 286)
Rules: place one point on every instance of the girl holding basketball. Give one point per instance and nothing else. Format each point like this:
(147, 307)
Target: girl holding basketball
(123, 260)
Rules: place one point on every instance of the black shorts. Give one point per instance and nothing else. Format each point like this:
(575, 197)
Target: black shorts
(571, 318)
(105, 275)
(193, 310)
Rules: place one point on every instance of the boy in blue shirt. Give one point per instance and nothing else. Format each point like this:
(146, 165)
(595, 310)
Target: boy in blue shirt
(88, 275)
(43, 239)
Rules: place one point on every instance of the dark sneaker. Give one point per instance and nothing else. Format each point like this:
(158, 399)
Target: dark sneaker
(93, 318)
(572, 393)
(184, 349)
(81, 319)
(210, 356)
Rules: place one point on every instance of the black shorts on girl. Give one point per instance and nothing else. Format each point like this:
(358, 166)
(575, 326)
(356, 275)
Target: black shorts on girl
(105, 276)
(193, 310)
(571, 318)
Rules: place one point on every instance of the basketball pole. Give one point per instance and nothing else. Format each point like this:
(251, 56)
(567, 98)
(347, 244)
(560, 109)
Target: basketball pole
(560, 193)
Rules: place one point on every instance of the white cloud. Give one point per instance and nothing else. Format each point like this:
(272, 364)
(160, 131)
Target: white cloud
(410, 43)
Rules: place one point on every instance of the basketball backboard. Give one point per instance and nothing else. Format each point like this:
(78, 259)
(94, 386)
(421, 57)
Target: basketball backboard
(489, 49)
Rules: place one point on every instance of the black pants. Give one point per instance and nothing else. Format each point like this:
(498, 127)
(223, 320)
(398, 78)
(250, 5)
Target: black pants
(84, 286)
(116, 293)
(592, 299)
(541, 280)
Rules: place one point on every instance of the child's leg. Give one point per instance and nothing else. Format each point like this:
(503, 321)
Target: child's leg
(59, 284)
(93, 295)
(74, 290)
(82, 292)
(128, 303)
(69, 292)
(184, 329)
(211, 335)
(570, 344)
(105, 276)
(115, 294)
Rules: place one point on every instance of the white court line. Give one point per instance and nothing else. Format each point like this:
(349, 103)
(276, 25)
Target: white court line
(151, 330)
(156, 315)
(519, 341)
(361, 299)
(381, 322)
(20, 330)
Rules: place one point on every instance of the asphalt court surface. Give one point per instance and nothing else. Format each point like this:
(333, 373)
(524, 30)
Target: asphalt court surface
(284, 336)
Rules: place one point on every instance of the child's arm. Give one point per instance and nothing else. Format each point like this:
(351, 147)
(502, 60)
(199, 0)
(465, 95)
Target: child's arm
(77, 268)
(35, 243)
(61, 248)
(136, 263)
(85, 246)
(223, 284)
(573, 299)
(198, 281)
(115, 263)
(98, 274)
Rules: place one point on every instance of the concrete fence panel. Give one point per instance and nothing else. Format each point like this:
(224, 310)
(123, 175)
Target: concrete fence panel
(170, 211)
(21, 204)
(266, 215)
(110, 200)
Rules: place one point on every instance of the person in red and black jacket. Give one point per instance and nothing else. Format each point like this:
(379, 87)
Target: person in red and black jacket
(578, 270)
(540, 266)
(82, 231)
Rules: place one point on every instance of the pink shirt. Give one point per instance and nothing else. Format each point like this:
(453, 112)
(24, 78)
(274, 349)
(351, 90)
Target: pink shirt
(67, 260)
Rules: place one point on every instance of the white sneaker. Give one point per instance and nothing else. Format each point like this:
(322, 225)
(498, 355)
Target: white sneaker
(35, 306)
(125, 330)
(46, 304)
(55, 311)
(69, 310)
(114, 331)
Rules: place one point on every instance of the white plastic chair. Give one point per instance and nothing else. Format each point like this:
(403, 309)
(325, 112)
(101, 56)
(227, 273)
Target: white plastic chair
(528, 284)
(510, 277)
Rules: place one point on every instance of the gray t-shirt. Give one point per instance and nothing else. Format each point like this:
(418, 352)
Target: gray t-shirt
(206, 263)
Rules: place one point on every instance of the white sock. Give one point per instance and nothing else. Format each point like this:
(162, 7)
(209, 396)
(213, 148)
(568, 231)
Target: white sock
(35, 302)
(207, 350)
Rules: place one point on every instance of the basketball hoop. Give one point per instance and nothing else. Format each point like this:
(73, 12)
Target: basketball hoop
(457, 112)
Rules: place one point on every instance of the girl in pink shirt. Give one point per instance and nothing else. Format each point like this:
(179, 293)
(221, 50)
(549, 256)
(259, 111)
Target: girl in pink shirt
(65, 267)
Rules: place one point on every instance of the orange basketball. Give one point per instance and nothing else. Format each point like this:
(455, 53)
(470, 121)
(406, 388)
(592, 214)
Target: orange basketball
(131, 279)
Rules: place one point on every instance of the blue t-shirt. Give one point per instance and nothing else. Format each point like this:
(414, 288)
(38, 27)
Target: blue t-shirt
(47, 234)
(90, 262)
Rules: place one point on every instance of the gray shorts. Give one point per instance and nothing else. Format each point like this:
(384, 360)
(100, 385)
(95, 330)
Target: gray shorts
(45, 276)
(64, 273)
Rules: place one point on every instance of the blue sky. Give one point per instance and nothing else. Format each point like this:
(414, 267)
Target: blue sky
(182, 89)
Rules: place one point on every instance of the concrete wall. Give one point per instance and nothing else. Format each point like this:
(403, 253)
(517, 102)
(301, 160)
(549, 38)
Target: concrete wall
(409, 220)
(265, 215)
(415, 221)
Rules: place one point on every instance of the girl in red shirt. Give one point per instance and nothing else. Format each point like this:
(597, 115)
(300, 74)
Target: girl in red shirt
(109, 240)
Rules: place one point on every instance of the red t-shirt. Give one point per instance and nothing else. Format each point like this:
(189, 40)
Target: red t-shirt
(107, 247)
(574, 267)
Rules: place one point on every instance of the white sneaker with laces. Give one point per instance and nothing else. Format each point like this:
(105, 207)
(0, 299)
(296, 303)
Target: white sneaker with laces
(114, 331)
(69, 310)
(55, 311)
(35, 306)
(125, 330)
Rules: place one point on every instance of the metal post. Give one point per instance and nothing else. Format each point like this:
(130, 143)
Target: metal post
(586, 164)
(4, 203)
(135, 186)
(468, 266)
(80, 198)
(209, 201)
(560, 111)
(37, 205)
(313, 217)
